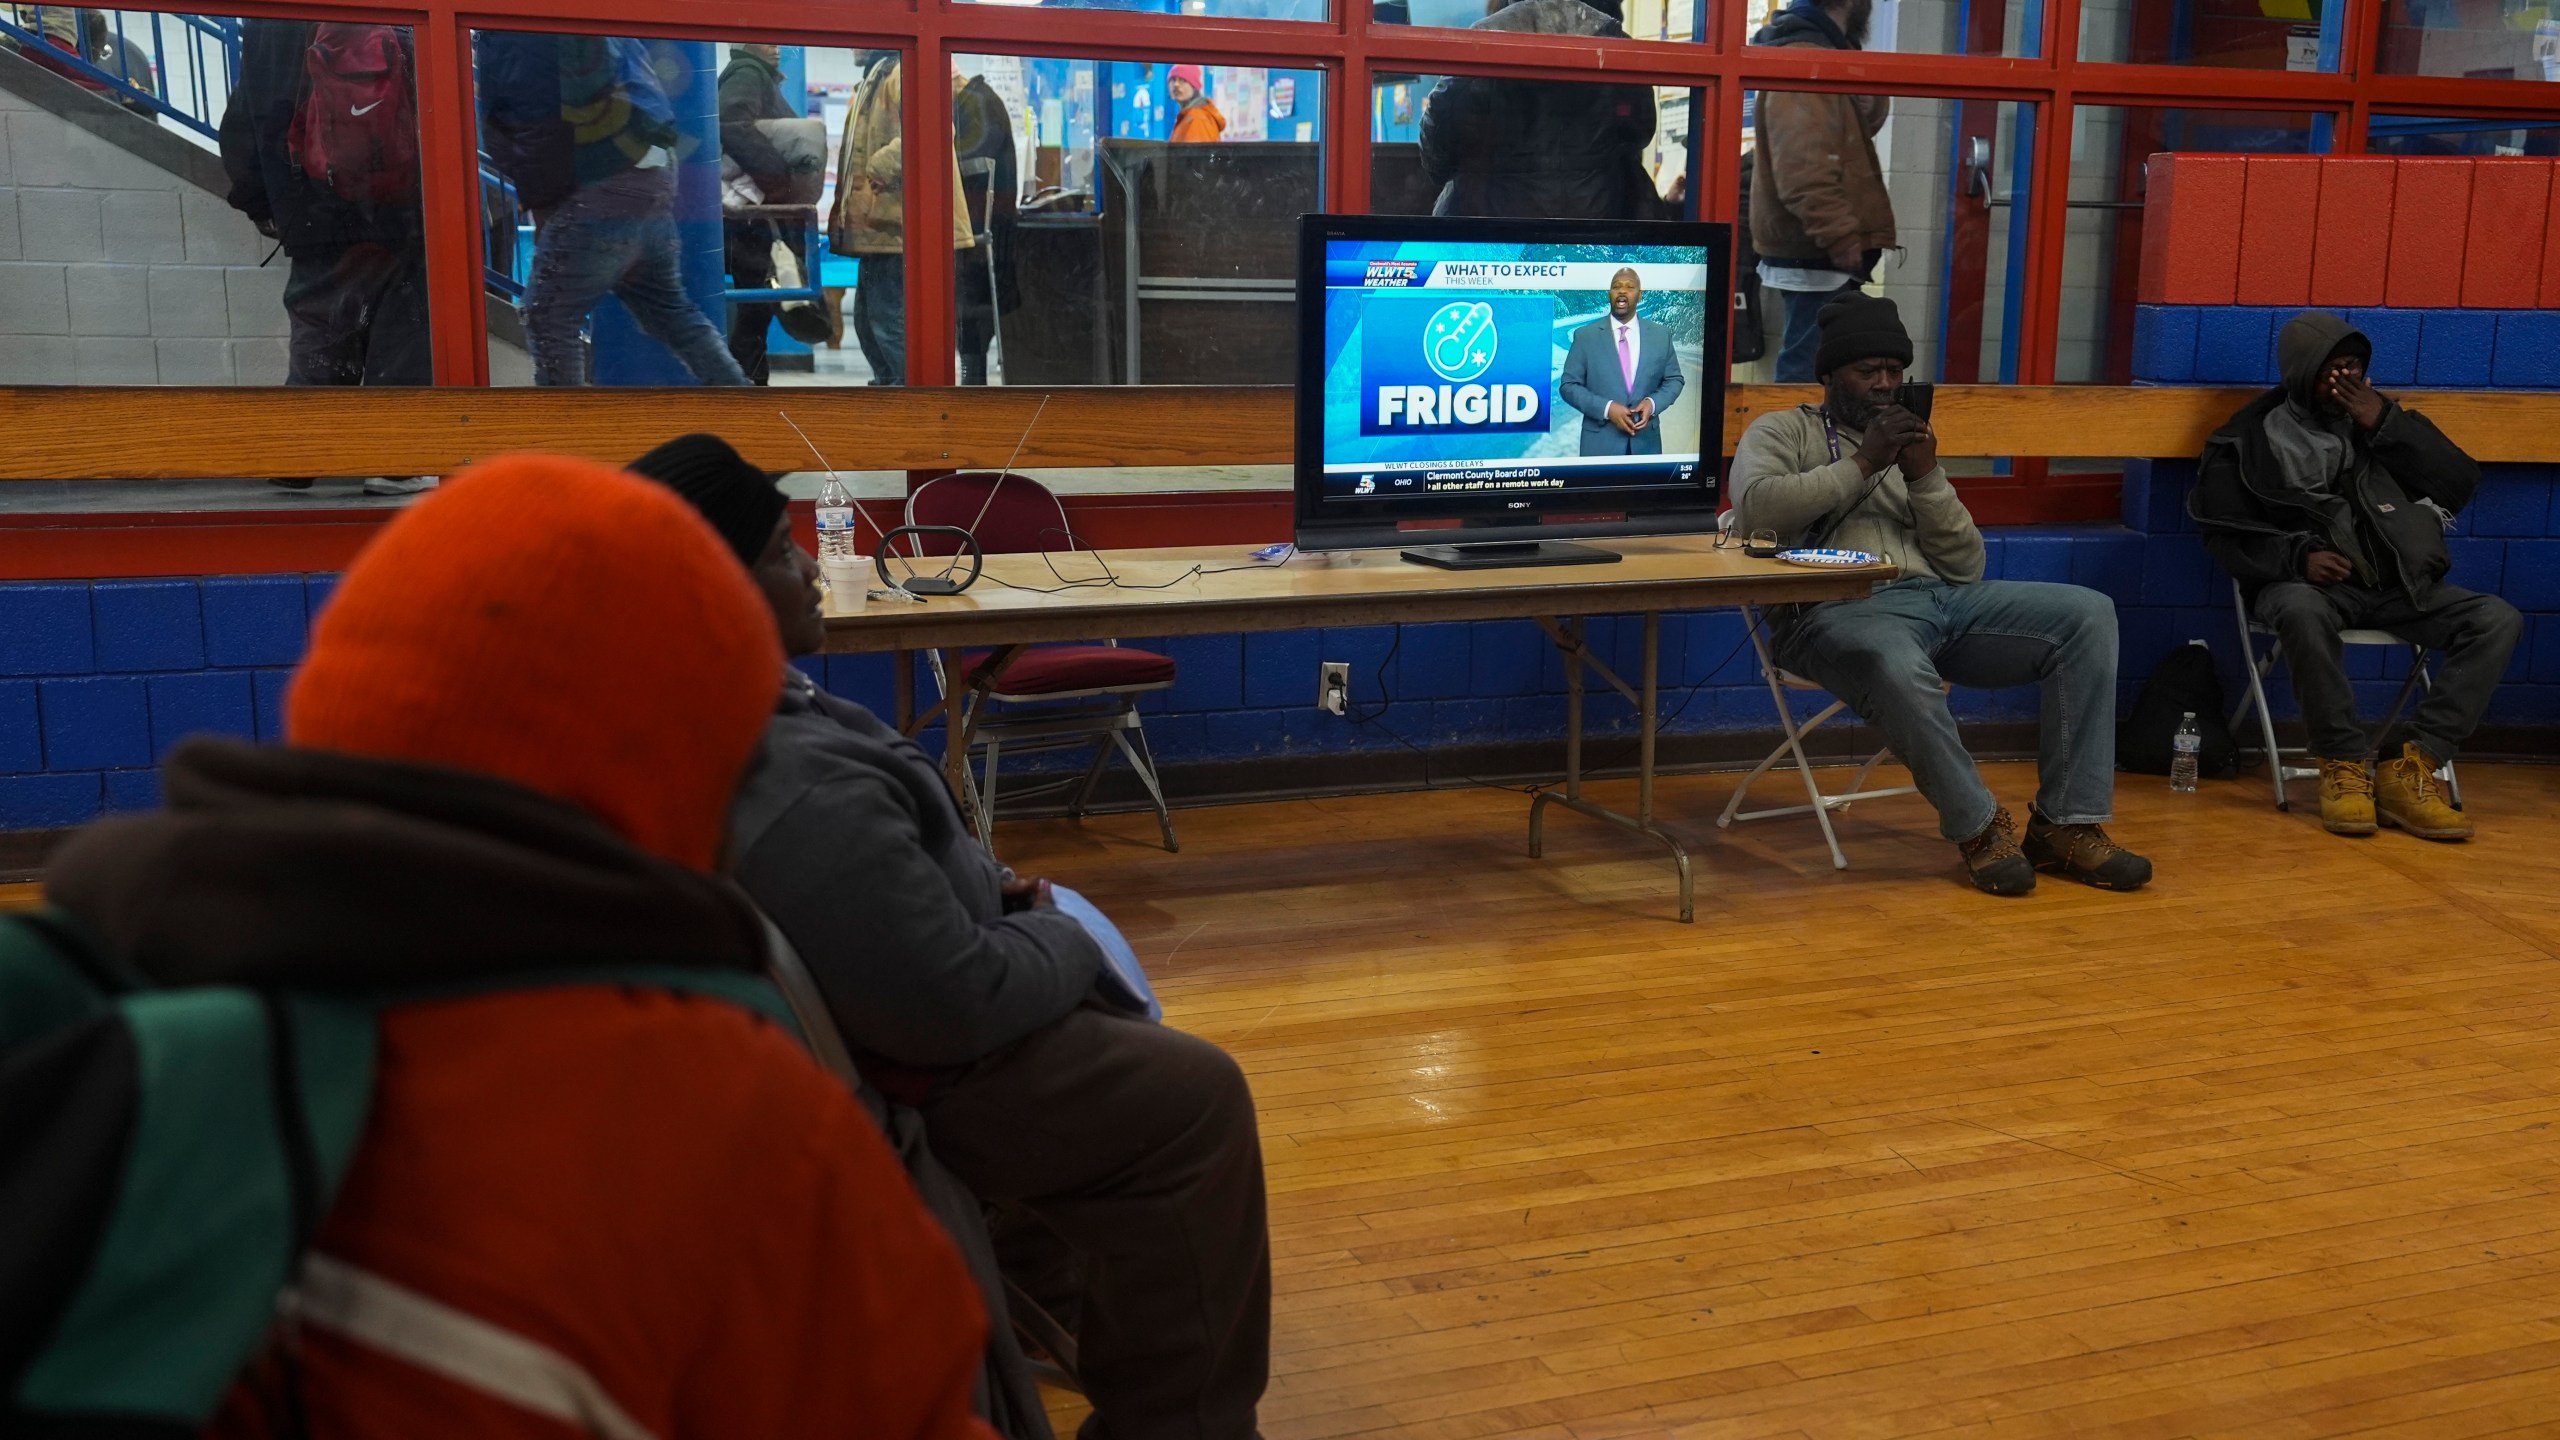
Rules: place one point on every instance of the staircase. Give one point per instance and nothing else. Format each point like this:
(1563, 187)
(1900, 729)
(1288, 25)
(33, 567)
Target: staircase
(120, 262)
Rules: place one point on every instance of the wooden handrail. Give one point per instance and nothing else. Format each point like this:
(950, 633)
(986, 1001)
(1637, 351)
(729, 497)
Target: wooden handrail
(118, 433)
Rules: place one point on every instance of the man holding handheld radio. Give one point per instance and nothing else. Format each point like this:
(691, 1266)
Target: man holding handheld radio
(1861, 470)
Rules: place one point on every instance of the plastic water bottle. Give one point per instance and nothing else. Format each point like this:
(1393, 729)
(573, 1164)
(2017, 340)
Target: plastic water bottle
(2182, 758)
(835, 523)
(838, 562)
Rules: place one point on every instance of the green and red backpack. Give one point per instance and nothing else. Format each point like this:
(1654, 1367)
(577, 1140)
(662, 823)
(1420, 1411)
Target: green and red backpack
(165, 1157)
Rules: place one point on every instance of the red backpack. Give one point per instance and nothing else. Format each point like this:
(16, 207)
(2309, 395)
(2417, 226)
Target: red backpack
(357, 129)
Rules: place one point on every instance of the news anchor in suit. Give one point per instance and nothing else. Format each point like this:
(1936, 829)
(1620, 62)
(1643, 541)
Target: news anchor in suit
(1620, 372)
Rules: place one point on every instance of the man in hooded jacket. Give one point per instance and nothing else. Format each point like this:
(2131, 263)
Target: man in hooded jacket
(2328, 503)
(585, 1201)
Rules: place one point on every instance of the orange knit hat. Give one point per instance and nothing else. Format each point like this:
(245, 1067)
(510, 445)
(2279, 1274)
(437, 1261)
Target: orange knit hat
(568, 627)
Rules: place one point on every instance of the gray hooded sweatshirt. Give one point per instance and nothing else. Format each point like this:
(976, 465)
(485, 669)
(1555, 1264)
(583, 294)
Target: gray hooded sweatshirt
(844, 831)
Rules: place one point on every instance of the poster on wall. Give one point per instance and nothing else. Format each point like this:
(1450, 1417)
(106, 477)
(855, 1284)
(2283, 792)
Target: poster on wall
(1243, 95)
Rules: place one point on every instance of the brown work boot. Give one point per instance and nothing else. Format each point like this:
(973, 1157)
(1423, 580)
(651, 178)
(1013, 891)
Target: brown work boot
(2408, 797)
(1994, 860)
(2346, 797)
(2084, 853)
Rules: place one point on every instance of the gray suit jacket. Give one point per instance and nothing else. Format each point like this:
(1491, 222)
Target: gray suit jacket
(1591, 380)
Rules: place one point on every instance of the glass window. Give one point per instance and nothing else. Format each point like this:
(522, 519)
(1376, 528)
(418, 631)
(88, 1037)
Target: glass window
(663, 212)
(1131, 223)
(1222, 9)
(2506, 40)
(1905, 27)
(2102, 244)
(140, 255)
(2461, 135)
(1542, 149)
(2230, 34)
(1676, 20)
(1926, 206)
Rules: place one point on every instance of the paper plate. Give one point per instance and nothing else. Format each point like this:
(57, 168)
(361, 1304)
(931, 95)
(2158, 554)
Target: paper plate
(1826, 557)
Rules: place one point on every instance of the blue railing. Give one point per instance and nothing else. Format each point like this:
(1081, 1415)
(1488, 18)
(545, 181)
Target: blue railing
(95, 48)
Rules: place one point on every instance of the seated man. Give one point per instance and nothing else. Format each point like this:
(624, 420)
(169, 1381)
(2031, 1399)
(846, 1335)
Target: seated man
(2306, 498)
(655, 1194)
(966, 992)
(1861, 471)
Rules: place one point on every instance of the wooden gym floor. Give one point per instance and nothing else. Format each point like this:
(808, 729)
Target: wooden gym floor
(2266, 1150)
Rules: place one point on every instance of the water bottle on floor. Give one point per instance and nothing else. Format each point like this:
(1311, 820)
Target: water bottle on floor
(2182, 758)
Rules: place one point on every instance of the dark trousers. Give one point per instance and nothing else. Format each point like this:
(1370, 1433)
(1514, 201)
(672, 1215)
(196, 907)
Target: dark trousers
(749, 246)
(1136, 1145)
(358, 316)
(880, 316)
(2473, 633)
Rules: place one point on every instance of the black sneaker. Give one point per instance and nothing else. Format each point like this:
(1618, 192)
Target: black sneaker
(2084, 853)
(1993, 859)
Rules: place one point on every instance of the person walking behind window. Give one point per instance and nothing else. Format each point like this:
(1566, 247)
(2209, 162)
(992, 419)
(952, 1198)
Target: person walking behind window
(982, 133)
(1541, 149)
(1820, 214)
(870, 216)
(751, 90)
(355, 295)
(582, 127)
(1196, 118)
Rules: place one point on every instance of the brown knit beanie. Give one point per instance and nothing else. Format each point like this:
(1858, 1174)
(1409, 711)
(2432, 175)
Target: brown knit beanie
(578, 631)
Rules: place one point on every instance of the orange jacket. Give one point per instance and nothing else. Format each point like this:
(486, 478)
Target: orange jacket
(661, 1193)
(1199, 122)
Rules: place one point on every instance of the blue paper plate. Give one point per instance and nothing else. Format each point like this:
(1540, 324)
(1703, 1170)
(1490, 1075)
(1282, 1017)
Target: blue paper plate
(1827, 557)
(1122, 978)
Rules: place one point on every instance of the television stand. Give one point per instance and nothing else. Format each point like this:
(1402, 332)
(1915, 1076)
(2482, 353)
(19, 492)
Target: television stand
(1496, 555)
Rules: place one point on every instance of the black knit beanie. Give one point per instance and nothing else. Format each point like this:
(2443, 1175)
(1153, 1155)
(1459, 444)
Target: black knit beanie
(739, 500)
(1858, 326)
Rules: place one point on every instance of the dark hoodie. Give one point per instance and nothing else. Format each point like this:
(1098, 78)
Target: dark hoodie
(1549, 149)
(322, 871)
(2263, 514)
(1803, 23)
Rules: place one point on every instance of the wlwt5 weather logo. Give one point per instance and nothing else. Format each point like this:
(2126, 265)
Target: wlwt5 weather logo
(1393, 274)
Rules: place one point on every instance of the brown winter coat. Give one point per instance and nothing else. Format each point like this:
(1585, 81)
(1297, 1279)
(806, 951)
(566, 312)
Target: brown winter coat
(871, 181)
(1817, 189)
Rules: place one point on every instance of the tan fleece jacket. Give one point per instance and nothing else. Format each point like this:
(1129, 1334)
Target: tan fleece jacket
(1784, 479)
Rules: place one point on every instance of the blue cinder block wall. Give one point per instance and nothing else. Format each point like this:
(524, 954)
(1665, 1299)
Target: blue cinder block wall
(99, 679)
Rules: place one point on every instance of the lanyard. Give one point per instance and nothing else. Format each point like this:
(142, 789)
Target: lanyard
(1831, 433)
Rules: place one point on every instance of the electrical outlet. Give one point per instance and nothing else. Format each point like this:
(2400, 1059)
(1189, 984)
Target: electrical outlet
(1333, 687)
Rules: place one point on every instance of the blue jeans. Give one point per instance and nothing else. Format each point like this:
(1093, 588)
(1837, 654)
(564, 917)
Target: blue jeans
(1887, 654)
(1803, 337)
(618, 237)
(880, 317)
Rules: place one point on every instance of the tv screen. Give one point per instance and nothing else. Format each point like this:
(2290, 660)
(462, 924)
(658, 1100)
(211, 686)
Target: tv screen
(1542, 378)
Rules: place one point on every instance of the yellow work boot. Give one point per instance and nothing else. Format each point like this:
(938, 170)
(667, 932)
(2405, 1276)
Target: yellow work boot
(2346, 797)
(2408, 797)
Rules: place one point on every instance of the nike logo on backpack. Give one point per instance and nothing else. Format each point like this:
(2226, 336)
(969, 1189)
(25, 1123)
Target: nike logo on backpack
(363, 109)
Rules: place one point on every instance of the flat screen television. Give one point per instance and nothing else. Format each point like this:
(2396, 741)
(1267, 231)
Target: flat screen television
(1497, 386)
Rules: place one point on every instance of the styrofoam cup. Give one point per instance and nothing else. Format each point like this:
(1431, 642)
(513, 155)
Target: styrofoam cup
(848, 582)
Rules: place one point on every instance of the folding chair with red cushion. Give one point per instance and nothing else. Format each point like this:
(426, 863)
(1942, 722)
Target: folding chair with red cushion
(1045, 697)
